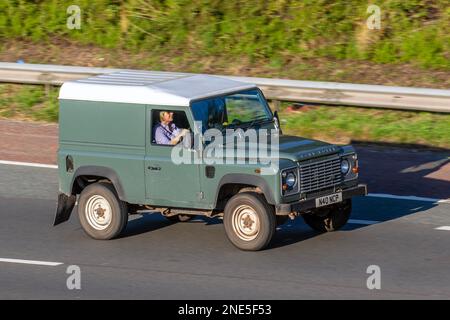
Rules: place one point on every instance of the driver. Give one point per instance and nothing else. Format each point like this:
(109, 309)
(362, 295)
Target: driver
(166, 132)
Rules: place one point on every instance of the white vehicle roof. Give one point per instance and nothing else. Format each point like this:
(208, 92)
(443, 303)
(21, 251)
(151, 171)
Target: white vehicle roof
(147, 87)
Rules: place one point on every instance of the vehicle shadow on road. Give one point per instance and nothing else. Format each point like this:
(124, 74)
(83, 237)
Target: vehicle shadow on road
(291, 233)
(404, 169)
(143, 223)
(288, 233)
(369, 210)
(150, 221)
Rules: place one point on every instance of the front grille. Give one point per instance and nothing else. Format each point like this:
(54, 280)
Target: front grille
(320, 175)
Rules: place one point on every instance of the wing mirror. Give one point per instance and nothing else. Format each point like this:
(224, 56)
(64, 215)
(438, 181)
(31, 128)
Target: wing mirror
(276, 120)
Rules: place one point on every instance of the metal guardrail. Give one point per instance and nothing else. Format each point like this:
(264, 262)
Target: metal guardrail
(404, 98)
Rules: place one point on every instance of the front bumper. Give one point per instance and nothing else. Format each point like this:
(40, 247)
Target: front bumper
(308, 204)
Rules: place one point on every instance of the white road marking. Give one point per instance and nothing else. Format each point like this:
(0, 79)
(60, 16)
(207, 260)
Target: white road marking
(368, 222)
(34, 262)
(446, 228)
(391, 196)
(29, 164)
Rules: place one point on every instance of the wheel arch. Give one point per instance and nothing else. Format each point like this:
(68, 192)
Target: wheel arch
(96, 173)
(243, 181)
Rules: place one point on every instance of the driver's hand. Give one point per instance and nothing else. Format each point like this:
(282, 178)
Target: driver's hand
(177, 139)
(180, 136)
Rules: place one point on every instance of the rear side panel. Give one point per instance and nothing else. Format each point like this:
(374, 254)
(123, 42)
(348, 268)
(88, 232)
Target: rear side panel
(103, 134)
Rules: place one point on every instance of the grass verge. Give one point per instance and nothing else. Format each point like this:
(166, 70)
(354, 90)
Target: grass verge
(28, 102)
(340, 124)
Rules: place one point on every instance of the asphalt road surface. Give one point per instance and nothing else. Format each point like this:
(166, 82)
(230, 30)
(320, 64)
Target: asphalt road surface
(409, 240)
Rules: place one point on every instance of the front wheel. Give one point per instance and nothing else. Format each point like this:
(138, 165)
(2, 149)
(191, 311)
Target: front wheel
(329, 219)
(102, 214)
(249, 221)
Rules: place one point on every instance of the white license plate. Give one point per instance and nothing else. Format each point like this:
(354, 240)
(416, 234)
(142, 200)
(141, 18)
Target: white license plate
(329, 199)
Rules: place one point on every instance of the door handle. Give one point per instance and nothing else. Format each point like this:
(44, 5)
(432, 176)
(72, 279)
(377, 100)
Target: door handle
(156, 168)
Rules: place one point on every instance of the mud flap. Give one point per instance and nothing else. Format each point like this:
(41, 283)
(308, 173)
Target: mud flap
(64, 209)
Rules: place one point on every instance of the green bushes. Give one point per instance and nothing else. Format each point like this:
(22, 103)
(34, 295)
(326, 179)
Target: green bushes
(416, 31)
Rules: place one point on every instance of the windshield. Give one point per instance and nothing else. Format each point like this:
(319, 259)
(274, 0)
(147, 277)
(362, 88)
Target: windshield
(241, 109)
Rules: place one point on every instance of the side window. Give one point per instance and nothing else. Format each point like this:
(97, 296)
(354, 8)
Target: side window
(167, 126)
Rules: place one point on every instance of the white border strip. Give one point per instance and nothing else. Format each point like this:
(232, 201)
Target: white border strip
(34, 262)
(29, 164)
(391, 196)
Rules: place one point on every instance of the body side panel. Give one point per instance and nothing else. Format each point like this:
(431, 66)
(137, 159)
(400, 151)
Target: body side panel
(104, 134)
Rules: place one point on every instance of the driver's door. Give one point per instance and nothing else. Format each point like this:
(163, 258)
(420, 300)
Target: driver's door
(169, 184)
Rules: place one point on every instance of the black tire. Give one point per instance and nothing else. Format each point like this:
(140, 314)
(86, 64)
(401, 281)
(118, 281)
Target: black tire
(261, 211)
(118, 214)
(180, 218)
(329, 219)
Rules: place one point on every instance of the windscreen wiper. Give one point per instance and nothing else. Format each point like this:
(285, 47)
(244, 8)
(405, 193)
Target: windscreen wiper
(258, 120)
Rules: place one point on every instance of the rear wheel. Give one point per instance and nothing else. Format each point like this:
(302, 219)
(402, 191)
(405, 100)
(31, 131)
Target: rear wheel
(329, 219)
(249, 221)
(102, 214)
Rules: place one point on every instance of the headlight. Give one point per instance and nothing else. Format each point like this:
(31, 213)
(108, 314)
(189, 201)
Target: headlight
(291, 179)
(289, 183)
(345, 166)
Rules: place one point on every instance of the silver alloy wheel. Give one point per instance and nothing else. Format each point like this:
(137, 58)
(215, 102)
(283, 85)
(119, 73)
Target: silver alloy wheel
(245, 222)
(98, 212)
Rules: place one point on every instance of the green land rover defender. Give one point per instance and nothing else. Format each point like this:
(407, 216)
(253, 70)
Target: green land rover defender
(120, 135)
